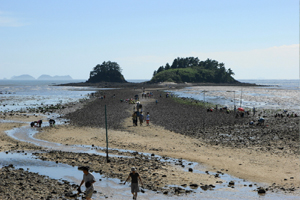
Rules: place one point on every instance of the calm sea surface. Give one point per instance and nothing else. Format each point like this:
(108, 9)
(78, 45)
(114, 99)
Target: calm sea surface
(19, 95)
(274, 94)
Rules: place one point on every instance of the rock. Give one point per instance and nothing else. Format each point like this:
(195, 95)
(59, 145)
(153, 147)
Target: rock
(190, 169)
(194, 185)
(261, 191)
(231, 183)
(204, 187)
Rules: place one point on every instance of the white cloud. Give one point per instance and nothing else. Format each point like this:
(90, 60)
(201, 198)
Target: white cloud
(6, 20)
(278, 62)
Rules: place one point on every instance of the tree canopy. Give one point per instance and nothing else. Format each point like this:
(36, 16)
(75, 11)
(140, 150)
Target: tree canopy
(191, 69)
(106, 72)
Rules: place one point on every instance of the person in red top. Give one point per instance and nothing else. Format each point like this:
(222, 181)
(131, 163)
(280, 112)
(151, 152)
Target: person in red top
(134, 182)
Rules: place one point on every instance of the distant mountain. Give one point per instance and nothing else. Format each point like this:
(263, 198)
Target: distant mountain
(42, 77)
(23, 77)
(48, 77)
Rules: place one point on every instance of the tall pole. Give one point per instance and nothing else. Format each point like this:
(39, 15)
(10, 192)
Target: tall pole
(241, 97)
(204, 112)
(234, 101)
(106, 136)
(204, 109)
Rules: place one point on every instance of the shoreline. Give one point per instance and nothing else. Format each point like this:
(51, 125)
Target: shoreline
(243, 163)
(156, 139)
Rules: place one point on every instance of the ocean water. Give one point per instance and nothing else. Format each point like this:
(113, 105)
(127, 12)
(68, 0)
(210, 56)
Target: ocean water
(19, 95)
(271, 94)
(289, 84)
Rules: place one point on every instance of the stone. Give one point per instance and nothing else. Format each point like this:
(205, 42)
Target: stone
(231, 183)
(261, 191)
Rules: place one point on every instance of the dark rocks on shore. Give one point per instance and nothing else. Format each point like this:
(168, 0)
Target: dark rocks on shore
(93, 113)
(28, 185)
(150, 168)
(261, 190)
(281, 136)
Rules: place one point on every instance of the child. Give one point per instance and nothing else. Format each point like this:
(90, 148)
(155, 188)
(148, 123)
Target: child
(148, 118)
(141, 117)
(89, 180)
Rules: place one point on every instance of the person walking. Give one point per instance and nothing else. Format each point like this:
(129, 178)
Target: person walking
(141, 118)
(147, 118)
(134, 182)
(89, 180)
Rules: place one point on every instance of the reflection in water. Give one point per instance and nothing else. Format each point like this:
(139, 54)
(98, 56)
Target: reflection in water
(112, 187)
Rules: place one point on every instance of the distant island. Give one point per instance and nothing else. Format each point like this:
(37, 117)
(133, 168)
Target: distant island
(48, 77)
(23, 77)
(106, 72)
(42, 77)
(192, 70)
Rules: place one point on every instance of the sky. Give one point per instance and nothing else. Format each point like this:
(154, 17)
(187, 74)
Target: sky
(257, 39)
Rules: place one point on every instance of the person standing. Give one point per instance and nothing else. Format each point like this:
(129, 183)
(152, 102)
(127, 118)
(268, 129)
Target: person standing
(147, 118)
(89, 180)
(141, 118)
(134, 182)
(134, 118)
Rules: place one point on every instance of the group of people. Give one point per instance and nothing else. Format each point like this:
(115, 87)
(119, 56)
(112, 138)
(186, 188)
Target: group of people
(140, 116)
(39, 123)
(89, 180)
(147, 95)
(36, 123)
(287, 115)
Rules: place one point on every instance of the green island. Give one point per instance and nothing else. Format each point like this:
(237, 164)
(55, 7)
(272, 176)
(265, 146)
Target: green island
(192, 70)
(106, 72)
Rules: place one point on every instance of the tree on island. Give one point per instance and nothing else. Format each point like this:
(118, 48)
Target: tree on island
(106, 72)
(191, 69)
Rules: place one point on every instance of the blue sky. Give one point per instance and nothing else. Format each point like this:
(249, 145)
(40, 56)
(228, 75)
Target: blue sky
(256, 39)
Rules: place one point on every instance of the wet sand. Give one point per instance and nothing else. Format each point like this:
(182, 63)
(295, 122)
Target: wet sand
(256, 162)
(7, 143)
(276, 164)
(250, 164)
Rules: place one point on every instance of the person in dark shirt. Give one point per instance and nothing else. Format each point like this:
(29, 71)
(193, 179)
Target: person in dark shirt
(134, 182)
(52, 122)
(40, 123)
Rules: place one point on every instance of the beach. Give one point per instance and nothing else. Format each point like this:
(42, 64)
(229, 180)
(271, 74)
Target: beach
(274, 164)
(267, 155)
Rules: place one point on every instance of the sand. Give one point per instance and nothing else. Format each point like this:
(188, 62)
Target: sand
(249, 163)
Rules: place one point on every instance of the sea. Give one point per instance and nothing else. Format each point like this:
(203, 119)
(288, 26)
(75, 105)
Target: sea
(277, 94)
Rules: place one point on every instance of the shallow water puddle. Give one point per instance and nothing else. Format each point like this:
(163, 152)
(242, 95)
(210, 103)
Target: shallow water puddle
(112, 187)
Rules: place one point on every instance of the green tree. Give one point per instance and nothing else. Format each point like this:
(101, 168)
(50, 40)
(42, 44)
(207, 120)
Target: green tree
(167, 66)
(106, 72)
